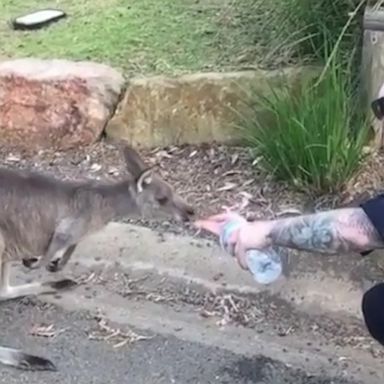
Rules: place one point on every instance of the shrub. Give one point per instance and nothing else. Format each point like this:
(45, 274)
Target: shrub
(313, 18)
(313, 138)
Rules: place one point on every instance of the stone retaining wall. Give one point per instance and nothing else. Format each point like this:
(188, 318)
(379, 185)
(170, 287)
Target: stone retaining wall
(61, 104)
(190, 109)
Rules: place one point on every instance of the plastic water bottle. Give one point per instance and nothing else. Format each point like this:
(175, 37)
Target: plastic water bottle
(266, 266)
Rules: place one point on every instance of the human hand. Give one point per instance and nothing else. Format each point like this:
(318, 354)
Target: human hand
(249, 235)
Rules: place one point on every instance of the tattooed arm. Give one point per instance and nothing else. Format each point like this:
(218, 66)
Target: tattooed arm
(359, 229)
(340, 230)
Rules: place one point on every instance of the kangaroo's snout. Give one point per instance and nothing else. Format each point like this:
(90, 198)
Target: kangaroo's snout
(185, 212)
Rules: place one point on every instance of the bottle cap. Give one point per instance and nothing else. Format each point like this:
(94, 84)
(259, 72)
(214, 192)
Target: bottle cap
(226, 232)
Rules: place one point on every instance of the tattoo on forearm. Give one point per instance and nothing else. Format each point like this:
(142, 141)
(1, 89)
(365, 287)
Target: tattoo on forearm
(334, 231)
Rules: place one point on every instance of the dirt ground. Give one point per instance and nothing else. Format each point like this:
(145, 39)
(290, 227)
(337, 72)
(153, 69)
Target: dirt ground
(211, 177)
(87, 350)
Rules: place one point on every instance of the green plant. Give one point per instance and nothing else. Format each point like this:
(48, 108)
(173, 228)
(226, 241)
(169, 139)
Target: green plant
(314, 137)
(314, 17)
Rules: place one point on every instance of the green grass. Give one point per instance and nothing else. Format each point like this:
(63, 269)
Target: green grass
(141, 36)
(173, 36)
(312, 18)
(312, 138)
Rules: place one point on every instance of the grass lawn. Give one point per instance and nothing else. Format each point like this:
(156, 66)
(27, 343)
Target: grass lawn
(146, 36)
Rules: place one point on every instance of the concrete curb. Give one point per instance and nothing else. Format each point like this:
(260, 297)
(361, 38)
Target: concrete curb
(315, 282)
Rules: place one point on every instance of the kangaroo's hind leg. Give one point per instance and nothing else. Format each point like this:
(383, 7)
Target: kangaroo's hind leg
(8, 292)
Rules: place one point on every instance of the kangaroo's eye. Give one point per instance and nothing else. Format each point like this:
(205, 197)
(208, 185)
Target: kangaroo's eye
(162, 200)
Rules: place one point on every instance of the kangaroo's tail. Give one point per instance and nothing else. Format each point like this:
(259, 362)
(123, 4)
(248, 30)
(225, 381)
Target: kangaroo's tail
(21, 360)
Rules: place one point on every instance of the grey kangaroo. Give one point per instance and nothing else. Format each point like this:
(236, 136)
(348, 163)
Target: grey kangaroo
(42, 219)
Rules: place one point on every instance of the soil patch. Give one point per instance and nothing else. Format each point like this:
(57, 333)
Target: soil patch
(211, 177)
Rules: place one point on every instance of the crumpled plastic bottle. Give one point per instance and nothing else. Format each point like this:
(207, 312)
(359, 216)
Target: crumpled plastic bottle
(265, 265)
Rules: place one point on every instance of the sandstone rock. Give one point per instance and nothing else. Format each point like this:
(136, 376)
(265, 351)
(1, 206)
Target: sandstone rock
(160, 111)
(55, 104)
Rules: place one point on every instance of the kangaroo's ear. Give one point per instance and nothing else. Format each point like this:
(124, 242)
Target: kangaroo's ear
(134, 163)
(144, 180)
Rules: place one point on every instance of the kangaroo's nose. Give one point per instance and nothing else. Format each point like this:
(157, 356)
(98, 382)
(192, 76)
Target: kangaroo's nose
(187, 214)
(190, 211)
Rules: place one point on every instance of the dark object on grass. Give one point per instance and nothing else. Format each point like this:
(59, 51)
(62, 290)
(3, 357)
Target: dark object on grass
(38, 19)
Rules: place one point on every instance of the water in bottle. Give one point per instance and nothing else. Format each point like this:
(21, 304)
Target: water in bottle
(265, 265)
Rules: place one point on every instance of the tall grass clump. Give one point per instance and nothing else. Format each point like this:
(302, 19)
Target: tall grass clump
(314, 17)
(312, 138)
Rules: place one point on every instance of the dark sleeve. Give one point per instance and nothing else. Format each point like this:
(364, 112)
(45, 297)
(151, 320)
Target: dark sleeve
(374, 209)
(373, 311)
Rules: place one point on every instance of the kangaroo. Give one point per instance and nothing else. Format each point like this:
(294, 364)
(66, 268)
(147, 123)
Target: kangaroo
(42, 219)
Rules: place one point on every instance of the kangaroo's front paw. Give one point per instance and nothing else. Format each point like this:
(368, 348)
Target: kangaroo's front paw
(59, 262)
(54, 265)
(31, 262)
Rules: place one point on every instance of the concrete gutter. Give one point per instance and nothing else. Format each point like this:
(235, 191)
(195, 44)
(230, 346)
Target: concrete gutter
(315, 282)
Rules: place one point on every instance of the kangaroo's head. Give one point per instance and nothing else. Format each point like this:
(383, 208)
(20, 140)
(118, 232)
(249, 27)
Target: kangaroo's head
(154, 197)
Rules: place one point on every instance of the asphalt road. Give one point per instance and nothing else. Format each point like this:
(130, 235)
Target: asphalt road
(160, 359)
